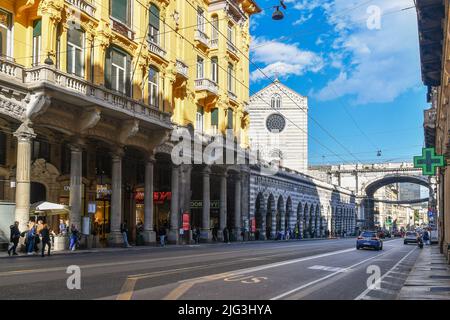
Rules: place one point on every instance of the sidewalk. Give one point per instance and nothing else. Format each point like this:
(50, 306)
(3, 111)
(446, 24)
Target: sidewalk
(429, 279)
(157, 247)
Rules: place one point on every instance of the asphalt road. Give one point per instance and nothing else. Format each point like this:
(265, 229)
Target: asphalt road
(317, 269)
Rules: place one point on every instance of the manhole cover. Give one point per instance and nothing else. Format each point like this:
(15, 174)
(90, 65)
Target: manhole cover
(440, 289)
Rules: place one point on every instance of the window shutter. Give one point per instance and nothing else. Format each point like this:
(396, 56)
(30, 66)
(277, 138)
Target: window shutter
(107, 69)
(128, 85)
(215, 117)
(37, 28)
(154, 16)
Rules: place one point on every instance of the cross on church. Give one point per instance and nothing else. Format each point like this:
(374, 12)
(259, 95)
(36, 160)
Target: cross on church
(428, 162)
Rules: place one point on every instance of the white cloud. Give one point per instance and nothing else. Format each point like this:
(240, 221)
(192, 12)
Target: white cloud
(302, 19)
(282, 59)
(380, 64)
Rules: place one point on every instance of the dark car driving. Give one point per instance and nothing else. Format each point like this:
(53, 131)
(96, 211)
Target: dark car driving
(369, 239)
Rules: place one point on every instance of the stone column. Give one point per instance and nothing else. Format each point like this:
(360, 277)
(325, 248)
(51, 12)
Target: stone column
(24, 135)
(174, 206)
(206, 212)
(75, 196)
(115, 237)
(262, 231)
(312, 224)
(237, 208)
(149, 234)
(223, 205)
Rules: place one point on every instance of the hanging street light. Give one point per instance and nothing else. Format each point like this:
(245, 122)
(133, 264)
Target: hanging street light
(278, 14)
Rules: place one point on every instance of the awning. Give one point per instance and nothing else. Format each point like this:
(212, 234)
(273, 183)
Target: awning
(48, 208)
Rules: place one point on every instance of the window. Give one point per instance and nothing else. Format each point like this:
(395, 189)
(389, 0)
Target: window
(154, 24)
(5, 34)
(2, 148)
(214, 120)
(117, 71)
(215, 28)
(37, 29)
(153, 91)
(230, 33)
(40, 150)
(230, 118)
(200, 19)
(120, 10)
(276, 101)
(58, 46)
(75, 51)
(230, 78)
(275, 123)
(200, 69)
(214, 69)
(199, 119)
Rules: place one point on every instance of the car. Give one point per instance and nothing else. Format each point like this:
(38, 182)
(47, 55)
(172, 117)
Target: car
(369, 239)
(397, 234)
(410, 237)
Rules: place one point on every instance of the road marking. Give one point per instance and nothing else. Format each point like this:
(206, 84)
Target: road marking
(325, 268)
(365, 292)
(126, 292)
(326, 277)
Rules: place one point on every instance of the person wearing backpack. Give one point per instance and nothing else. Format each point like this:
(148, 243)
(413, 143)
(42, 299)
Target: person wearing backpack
(14, 238)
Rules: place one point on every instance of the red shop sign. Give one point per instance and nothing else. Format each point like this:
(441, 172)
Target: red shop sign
(186, 222)
(253, 225)
(158, 197)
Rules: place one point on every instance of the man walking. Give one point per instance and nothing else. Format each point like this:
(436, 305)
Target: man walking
(73, 237)
(124, 231)
(162, 236)
(14, 238)
(45, 235)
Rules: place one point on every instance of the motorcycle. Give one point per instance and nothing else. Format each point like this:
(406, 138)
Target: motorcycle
(420, 243)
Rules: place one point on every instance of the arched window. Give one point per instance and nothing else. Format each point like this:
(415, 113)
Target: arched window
(154, 24)
(215, 28)
(118, 70)
(276, 101)
(5, 34)
(153, 88)
(75, 51)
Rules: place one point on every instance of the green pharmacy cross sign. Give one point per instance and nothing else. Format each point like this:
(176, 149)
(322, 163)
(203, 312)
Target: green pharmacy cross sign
(428, 161)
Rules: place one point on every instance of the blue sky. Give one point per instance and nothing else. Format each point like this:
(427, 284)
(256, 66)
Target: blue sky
(363, 82)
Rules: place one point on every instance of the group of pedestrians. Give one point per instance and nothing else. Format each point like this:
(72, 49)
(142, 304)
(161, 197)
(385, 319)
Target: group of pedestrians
(39, 233)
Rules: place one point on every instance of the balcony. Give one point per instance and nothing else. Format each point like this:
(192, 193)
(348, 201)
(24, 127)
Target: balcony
(182, 69)
(75, 90)
(232, 96)
(206, 85)
(201, 37)
(214, 44)
(84, 5)
(233, 50)
(156, 49)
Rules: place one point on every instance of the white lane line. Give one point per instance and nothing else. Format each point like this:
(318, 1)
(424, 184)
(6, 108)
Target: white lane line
(325, 268)
(326, 277)
(365, 292)
(272, 265)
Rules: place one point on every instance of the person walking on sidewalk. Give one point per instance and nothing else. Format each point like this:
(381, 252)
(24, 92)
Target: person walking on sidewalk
(30, 237)
(73, 237)
(124, 231)
(14, 238)
(426, 237)
(45, 235)
(162, 236)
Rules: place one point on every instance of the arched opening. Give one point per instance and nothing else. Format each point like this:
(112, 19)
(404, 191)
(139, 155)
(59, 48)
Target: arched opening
(287, 220)
(38, 192)
(259, 205)
(269, 215)
(280, 215)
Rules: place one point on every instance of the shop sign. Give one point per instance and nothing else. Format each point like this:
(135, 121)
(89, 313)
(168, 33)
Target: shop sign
(186, 222)
(198, 204)
(103, 190)
(158, 197)
(253, 225)
(92, 207)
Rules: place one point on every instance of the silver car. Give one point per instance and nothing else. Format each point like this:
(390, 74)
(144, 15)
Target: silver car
(410, 237)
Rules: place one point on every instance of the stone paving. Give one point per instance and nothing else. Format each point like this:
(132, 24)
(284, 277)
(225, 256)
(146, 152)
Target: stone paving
(429, 279)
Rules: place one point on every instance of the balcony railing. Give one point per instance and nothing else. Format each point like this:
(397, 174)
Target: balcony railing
(36, 76)
(232, 95)
(83, 5)
(156, 49)
(202, 37)
(182, 68)
(10, 69)
(214, 43)
(206, 84)
(232, 48)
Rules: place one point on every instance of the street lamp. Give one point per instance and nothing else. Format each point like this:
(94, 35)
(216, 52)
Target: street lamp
(277, 14)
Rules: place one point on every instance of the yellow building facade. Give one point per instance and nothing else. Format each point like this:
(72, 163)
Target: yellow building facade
(101, 84)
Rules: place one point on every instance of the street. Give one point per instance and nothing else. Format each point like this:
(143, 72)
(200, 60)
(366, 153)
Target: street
(315, 269)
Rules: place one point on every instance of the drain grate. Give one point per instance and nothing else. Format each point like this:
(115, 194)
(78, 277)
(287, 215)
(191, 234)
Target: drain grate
(440, 277)
(440, 289)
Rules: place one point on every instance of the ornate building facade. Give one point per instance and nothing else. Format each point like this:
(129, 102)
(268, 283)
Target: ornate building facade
(90, 93)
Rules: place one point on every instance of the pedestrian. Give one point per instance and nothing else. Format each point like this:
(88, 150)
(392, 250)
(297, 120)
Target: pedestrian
(45, 235)
(37, 239)
(73, 237)
(62, 227)
(226, 235)
(162, 236)
(426, 237)
(197, 230)
(30, 237)
(214, 233)
(124, 232)
(14, 238)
